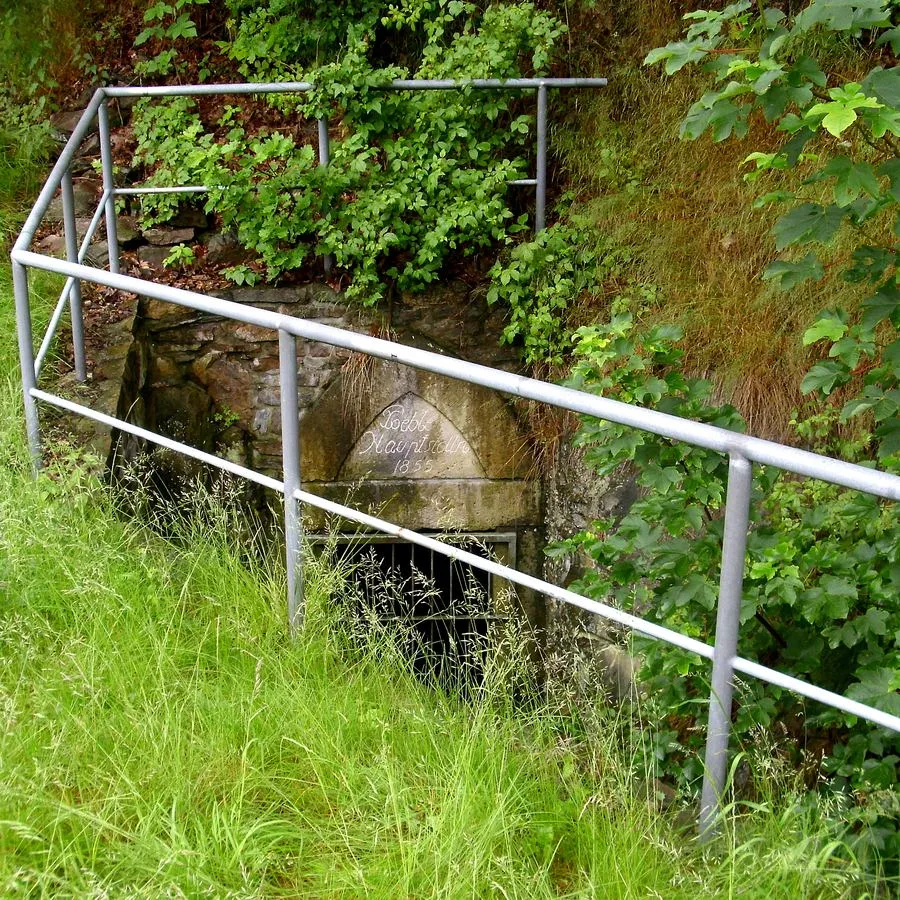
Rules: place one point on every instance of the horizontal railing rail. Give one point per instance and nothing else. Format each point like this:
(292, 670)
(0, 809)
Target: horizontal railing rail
(742, 450)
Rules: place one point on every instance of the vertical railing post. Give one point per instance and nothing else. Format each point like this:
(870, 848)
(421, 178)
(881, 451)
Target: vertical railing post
(540, 202)
(109, 186)
(290, 451)
(76, 315)
(324, 159)
(728, 617)
(26, 362)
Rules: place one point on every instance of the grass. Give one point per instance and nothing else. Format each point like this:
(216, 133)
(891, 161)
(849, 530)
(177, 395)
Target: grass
(162, 735)
(685, 213)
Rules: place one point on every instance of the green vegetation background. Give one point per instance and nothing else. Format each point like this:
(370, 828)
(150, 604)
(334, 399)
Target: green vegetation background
(163, 735)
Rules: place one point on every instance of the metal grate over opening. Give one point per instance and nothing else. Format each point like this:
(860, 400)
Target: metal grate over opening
(443, 608)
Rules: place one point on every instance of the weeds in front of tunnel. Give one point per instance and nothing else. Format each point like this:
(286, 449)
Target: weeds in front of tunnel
(163, 734)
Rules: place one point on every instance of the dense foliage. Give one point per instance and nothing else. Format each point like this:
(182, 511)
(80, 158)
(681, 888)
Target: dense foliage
(413, 176)
(822, 585)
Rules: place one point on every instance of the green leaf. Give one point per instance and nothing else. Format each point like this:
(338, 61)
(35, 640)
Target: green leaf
(851, 179)
(883, 305)
(888, 436)
(789, 274)
(794, 147)
(808, 222)
(840, 593)
(146, 35)
(843, 15)
(724, 118)
(677, 55)
(773, 197)
(878, 687)
(884, 84)
(828, 326)
(838, 118)
(870, 264)
(808, 69)
(766, 80)
(158, 11)
(824, 377)
(891, 37)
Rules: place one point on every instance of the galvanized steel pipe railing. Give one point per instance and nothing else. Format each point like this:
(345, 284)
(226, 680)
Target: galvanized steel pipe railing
(743, 450)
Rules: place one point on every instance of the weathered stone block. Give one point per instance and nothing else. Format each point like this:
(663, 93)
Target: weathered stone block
(163, 236)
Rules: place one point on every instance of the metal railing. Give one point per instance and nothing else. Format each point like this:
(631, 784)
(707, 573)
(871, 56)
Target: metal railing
(743, 450)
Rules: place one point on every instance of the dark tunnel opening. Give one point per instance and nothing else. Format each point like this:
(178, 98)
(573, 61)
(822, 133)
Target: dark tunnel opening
(441, 609)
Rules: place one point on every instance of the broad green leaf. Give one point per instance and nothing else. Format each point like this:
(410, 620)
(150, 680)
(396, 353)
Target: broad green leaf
(829, 326)
(695, 122)
(776, 99)
(878, 687)
(888, 436)
(766, 80)
(882, 120)
(870, 264)
(883, 305)
(891, 37)
(158, 11)
(808, 222)
(724, 118)
(773, 197)
(891, 358)
(844, 15)
(793, 149)
(789, 274)
(840, 592)
(808, 69)
(849, 350)
(824, 376)
(851, 179)
(677, 55)
(884, 84)
(838, 117)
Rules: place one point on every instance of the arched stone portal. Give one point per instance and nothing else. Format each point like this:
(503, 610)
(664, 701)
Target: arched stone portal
(435, 455)
(426, 451)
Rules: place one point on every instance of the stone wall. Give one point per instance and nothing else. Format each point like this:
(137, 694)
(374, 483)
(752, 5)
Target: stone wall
(458, 462)
(460, 459)
(217, 380)
(584, 653)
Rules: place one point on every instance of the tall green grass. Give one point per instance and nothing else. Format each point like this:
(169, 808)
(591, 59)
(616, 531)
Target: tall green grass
(163, 735)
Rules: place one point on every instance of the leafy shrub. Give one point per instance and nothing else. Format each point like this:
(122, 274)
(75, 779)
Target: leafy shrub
(829, 554)
(167, 26)
(278, 39)
(821, 583)
(540, 280)
(413, 177)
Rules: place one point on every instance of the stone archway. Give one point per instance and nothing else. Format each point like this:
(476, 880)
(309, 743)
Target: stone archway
(427, 451)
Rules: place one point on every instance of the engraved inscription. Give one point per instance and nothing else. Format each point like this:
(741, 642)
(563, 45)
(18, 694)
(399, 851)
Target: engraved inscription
(411, 439)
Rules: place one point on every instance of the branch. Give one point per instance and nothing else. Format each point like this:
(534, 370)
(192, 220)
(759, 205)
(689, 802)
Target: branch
(771, 629)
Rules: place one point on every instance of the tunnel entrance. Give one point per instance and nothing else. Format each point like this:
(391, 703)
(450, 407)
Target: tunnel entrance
(444, 612)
